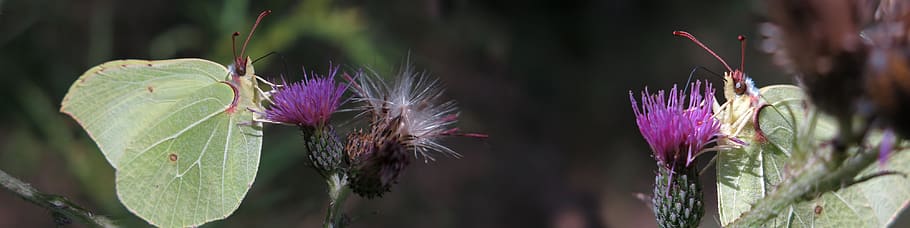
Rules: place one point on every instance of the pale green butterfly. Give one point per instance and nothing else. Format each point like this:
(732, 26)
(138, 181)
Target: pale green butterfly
(179, 133)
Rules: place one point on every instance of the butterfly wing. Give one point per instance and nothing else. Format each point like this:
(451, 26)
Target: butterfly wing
(115, 101)
(181, 157)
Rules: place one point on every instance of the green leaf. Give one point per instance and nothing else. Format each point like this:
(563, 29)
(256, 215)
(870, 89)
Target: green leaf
(747, 174)
(183, 156)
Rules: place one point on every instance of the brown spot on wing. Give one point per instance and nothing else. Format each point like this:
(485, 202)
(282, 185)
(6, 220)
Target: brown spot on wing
(172, 157)
(150, 88)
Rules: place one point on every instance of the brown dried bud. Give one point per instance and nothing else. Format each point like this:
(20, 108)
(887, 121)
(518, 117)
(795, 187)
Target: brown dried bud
(376, 158)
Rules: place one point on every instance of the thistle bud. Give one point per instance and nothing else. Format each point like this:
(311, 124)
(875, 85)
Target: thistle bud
(324, 149)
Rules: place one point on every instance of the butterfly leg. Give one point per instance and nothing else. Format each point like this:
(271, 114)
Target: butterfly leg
(256, 120)
(260, 120)
(266, 95)
(710, 163)
(721, 109)
(741, 122)
(273, 85)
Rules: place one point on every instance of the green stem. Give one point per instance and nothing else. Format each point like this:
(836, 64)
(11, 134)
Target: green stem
(338, 193)
(55, 203)
(815, 179)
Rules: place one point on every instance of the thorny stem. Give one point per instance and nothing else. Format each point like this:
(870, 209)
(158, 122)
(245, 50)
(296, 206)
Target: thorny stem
(55, 203)
(817, 178)
(338, 193)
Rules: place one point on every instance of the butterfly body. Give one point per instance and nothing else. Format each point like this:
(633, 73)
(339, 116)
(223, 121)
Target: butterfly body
(740, 110)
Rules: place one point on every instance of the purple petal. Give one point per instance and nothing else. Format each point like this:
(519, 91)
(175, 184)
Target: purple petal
(310, 102)
(677, 133)
(885, 147)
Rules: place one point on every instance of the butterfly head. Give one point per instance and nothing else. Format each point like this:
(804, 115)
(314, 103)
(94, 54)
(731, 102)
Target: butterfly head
(239, 67)
(741, 84)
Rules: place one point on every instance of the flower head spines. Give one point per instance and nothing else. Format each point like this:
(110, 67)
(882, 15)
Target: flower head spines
(675, 133)
(308, 103)
(415, 100)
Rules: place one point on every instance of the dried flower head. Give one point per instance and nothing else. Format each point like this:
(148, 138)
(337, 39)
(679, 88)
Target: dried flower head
(377, 158)
(676, 133)
(308, 103)
(403, 117)
(414, 100)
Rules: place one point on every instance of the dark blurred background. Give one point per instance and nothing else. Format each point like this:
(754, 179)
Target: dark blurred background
(547, 80)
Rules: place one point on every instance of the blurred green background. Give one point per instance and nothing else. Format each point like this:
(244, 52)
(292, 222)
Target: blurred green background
(547, 80)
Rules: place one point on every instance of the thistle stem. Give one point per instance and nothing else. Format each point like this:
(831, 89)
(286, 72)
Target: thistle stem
(57, 204)
(816, 179)
(338, 193)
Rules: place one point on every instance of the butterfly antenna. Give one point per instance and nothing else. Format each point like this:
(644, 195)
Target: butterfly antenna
(248, 36)
(691, 37)
(234, 43)
(283, 59)
(692, 74)
(711, 71)
(742, 57)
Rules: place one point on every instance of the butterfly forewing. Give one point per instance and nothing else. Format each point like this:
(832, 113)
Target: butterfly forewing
(117, 100)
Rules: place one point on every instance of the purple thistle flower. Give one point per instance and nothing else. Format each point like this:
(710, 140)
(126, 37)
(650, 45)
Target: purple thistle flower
(677, 134)
(307, 103)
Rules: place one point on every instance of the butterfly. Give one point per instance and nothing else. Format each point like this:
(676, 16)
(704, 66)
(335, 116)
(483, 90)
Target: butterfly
(743, 98)
(173, 132)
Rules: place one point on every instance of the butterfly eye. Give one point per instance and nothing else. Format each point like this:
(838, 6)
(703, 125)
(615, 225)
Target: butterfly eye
(739, 88)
